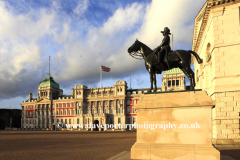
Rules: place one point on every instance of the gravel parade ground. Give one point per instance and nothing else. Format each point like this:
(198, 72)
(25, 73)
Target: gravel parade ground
(64, 144)
(34, 145)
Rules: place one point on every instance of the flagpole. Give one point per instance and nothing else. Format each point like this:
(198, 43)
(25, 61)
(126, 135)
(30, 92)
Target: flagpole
(100, 76)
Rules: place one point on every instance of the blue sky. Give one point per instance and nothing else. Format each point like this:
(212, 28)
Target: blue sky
(81, 35)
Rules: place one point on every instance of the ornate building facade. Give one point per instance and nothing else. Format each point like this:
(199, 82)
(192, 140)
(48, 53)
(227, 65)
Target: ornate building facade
(173, 80)
(86, 106)
(216, 39)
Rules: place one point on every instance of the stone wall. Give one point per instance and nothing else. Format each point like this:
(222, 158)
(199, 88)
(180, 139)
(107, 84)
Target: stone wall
(226, 118)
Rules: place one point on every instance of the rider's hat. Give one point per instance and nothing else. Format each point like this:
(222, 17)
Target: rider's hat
(166, 30)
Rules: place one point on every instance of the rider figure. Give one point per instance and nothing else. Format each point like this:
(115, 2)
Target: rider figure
(165, 45)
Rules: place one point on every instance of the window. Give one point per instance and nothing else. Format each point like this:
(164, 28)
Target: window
(70, 112)
(99, 110)
(57, 105)
(133, 120)
(173, 83)
(93, 111)
(69, 121)
(134, 101)
(128, 101)
(128, 109)
(119, 120)
(133, 111)
(111, 111)
(52, 112)
(62, 120)
(61, 112)
(29, 121)
(66, 105)
(65, 121)
(119, 110)
(78, 111)
(169, 83)
(57, 120)
(57, 112)
(77, 121)
(27, 107)
(87, 111)
(177, 82)
(65, 112)
(70, 105)
(52, 120)
(111, 120)
(128, 121)
(53, 106)
(105, 111)
(26, 121)
(61, 105)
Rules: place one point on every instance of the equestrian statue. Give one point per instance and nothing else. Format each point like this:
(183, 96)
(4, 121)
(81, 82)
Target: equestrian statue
(162, 59)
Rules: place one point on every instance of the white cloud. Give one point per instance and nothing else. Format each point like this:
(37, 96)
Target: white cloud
(81, 7)
(22, 52)
(177, 15)
(123, 19)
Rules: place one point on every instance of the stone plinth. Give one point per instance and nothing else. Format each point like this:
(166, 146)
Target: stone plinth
(187, 135)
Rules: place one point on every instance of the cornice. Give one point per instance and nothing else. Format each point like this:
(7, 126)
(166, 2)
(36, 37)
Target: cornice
(204, 13)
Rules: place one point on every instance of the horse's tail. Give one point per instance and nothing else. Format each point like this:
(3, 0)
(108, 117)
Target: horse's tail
(196, 56)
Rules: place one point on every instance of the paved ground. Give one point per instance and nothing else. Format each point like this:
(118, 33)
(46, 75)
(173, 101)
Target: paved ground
(73, 145)
(64, 144)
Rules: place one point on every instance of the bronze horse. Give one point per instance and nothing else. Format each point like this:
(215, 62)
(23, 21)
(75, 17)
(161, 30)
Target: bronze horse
(176, 59)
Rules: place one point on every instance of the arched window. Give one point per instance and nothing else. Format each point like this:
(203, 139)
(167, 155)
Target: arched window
(208, 67)
(208, 52)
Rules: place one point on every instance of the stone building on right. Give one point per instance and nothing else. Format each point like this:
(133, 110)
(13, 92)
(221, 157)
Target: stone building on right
(216, 39)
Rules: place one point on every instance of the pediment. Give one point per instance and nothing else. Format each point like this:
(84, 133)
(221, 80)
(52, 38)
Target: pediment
(44, 100)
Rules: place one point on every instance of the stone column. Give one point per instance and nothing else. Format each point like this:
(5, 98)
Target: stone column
(100, 123)
(123, 107)
(37, 115)
(115, 107)
(34, 117)
(24, 116)
(41, 117)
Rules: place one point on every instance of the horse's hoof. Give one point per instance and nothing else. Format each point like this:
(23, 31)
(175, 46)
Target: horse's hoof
(150, 90)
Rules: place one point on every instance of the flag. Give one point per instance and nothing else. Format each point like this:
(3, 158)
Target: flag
(106, 69)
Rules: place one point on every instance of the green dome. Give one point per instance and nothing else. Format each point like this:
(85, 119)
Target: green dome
(174, 70)
(49, 82)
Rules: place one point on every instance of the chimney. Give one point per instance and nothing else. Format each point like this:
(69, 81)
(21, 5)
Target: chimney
(30, 96)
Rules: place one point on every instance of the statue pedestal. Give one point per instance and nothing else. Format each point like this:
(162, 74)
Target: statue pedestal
(176, 126)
